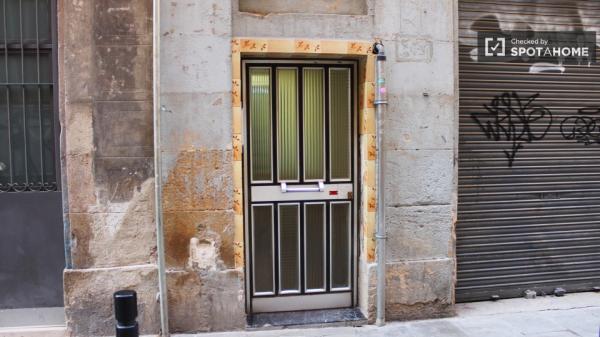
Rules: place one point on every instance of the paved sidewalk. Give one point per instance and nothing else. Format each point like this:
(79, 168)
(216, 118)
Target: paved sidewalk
(574, 315)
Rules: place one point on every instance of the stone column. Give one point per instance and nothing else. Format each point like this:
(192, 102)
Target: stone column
(420, 143)
(105, 83)
(206, 290)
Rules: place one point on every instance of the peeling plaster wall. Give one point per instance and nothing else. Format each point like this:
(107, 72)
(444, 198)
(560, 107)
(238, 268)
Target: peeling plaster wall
(206, 291)
(105, 76)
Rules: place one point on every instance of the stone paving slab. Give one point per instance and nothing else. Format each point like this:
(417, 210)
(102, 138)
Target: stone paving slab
(574, 315)
(33, 331)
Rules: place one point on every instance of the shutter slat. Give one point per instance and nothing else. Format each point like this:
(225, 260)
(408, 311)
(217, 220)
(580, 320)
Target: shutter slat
(534, 224)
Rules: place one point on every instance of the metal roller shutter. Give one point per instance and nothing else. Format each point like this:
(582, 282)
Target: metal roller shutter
(532, 222)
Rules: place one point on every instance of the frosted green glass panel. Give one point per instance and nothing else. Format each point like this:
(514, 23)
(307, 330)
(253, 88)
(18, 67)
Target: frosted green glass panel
(340, 123)
(289, 249)
(287, 124)
(340, 245)
(262, 227)
(260, 123)
(313, 117)
(314, 227)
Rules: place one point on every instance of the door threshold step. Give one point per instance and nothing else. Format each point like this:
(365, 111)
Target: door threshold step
(306, 319)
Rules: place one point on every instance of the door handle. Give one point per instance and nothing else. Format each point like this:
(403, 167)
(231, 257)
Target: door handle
(319, 188)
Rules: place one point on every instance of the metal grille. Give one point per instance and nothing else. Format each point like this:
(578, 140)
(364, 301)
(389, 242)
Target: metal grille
(27, 106)
(529, 185)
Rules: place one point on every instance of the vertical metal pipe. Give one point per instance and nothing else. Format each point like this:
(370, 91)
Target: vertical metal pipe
(162, 279)
(380, 107)
(58, 137)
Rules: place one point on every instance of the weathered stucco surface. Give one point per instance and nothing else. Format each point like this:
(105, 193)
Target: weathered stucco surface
(206, 290)
(197, 298)
(89, 304)
(293, 6)
(105, 76)
(310, 24)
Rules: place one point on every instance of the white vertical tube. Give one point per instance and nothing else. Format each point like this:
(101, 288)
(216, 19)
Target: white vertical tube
(380, 235)
(160, 247)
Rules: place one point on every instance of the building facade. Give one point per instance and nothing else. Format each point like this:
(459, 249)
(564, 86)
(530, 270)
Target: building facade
(268, 158)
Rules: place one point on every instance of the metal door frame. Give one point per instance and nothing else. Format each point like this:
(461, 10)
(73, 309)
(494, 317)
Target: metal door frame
(355, 167)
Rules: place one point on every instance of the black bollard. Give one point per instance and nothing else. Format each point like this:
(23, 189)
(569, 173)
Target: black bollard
(126, 313)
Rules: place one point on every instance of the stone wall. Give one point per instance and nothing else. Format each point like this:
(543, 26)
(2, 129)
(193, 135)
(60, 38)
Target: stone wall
(206, 291)
(287, 24)
(105, 82)
(420, 143)
(293, 6)
(106, 112)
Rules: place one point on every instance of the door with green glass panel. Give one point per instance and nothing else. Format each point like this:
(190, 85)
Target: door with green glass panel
(300, 174)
